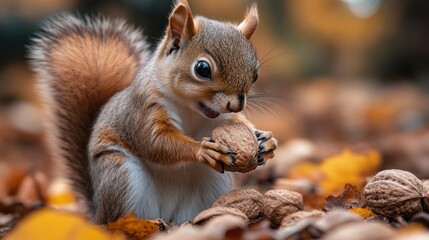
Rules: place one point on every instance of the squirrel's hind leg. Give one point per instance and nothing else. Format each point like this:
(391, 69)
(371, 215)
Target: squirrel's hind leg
(111, 186)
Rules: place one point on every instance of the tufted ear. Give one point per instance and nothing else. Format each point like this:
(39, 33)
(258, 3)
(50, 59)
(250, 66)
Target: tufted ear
(181, 25)
(250, 22)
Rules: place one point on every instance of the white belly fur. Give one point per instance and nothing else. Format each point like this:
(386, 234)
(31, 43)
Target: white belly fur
(174, 193)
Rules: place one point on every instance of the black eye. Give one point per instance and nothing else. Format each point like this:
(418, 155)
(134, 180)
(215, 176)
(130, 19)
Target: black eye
(203, 70)
(255, 78)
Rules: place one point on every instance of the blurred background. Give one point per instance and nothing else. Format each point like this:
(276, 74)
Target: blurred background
(342, 74)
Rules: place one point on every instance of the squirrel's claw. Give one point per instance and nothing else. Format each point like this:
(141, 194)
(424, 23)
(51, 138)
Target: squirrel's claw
(267, 145)
(215, 155)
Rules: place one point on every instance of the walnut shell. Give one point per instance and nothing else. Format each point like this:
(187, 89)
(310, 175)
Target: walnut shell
(279, 203)
(295, 217)
(425, 200)
(394, 193)
(249, 201)
(210, 213)
(242, 141)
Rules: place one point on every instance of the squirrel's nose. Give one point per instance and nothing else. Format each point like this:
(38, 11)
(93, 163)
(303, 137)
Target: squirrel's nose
(237, 103)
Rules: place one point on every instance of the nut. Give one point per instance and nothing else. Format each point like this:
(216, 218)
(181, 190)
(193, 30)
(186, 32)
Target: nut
(279, 203)
(334, 219)
(249, 201)
(210, 213)
(394, 193)
(242, 141)
(425, 200)
(295, 217)
(361, 231)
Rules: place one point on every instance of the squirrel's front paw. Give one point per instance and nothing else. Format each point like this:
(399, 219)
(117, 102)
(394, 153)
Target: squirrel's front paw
(267, 145)
(215, 155)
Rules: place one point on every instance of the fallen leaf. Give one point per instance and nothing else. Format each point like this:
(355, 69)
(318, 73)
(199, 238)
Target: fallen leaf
(330, 176)
(33, 188)
(135, 228)
(348, 167)
(60, 194)
(349, 198)
(363, 212)
(50, 224)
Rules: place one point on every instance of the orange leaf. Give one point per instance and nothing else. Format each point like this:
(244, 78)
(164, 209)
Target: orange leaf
(135, 228)
(305, 170)
(50, 224)
(363, 212)
(348, 167)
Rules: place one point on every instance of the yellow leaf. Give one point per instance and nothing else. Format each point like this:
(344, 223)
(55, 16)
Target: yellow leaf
(49, 224)
(64, 198)
(306, 170)
(348, 167)
(336, 171)
(133, 227)
(363, 212)
(60, 194)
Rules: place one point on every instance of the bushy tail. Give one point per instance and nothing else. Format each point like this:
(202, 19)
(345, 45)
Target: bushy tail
(80, 64)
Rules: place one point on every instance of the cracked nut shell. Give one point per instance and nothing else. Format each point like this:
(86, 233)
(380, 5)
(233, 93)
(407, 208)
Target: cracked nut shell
(279, 203)
(394, 193)
(249, 201)
(242, 141)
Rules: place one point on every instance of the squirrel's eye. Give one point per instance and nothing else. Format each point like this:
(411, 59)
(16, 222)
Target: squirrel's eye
(203, 70)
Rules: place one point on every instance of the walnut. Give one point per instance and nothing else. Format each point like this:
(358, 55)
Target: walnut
(279, 203)
(295, 217)
(361, 231)
(242, 141)
(249, 201)
(394, 193)
(210, 213)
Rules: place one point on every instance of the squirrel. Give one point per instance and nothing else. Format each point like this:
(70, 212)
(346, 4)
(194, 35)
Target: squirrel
(133, 127)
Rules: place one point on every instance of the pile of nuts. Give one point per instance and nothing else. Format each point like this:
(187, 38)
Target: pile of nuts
(390, 194)
(274, 205)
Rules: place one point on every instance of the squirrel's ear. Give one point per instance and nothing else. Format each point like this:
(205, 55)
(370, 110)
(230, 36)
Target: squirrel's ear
(250, 22)
(181, 24)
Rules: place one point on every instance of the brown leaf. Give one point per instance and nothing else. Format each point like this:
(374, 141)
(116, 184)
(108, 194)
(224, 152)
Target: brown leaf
(350, 197)
(135, 228)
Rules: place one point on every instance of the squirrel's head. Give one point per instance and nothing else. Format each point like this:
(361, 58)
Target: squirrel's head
(208, 65)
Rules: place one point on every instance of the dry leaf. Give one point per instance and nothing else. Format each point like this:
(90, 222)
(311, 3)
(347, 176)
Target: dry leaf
(350, 197)
(135, 228)
(50, 224)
